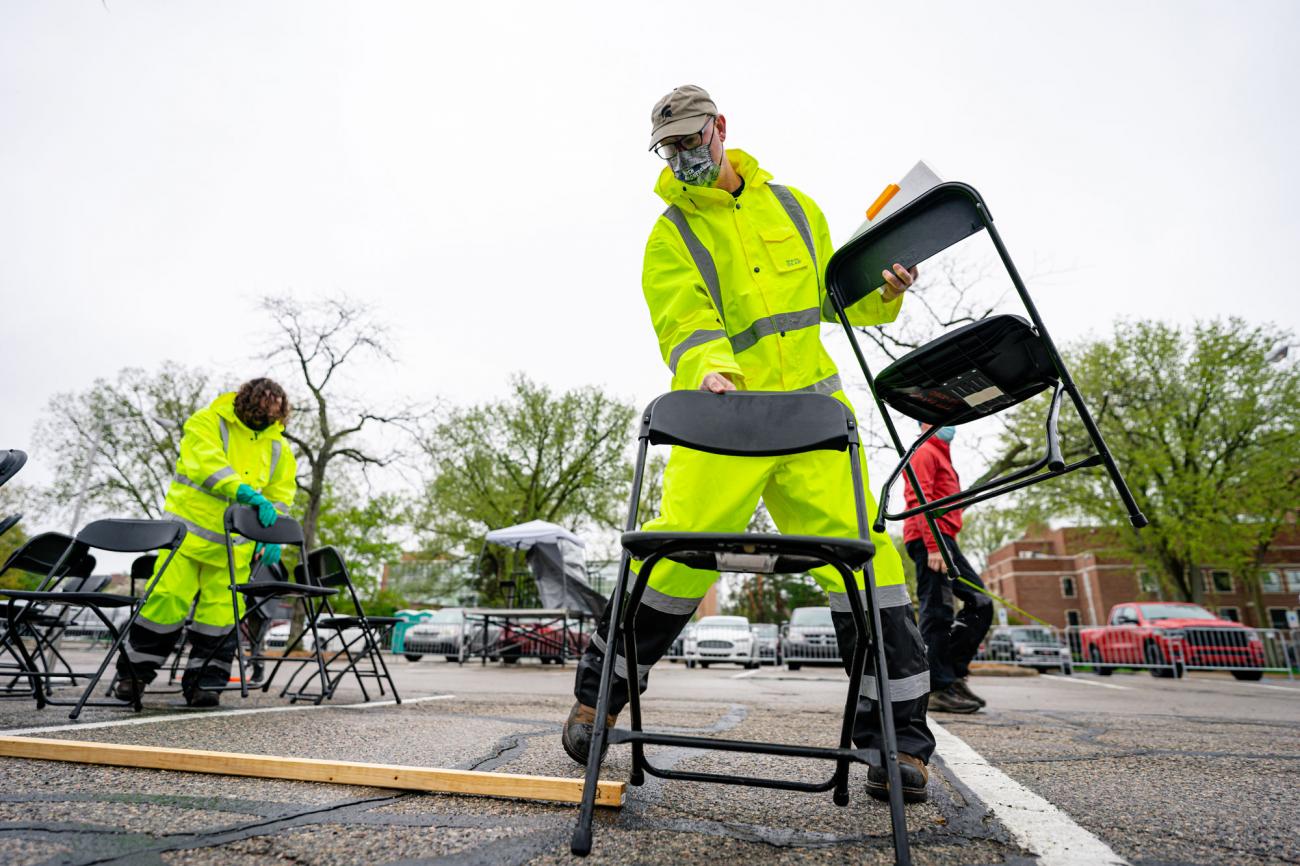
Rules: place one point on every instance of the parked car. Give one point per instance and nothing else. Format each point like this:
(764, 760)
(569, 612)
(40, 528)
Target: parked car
(277, 637)
(809, 638)
(677, 650)
(768, 638)
(1170, 636)
(722, 639)
(446, 633)
(1028, 645)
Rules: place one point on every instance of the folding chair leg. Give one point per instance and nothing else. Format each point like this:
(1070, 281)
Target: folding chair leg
(379, 657)
(118, 639)
(316, 646)
(857, 665)
(580, 844)
(28, 663)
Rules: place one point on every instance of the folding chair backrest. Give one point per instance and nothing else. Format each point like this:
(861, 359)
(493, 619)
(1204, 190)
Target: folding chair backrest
(132, 536)
(749, 423)
(242, 520)
(91, 583)
(327, 567)
(934, 221)
(42, 552)
(11, 460)
(976, 370)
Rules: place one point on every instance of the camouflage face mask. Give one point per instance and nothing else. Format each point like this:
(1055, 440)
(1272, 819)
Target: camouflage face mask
(695, 166)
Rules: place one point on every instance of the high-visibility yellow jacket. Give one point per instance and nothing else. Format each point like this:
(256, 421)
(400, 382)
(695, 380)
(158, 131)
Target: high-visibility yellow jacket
(758, 316)
(219, 453)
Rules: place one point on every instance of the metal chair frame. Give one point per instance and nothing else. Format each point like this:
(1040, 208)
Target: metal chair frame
(682, 418)
(933, 222)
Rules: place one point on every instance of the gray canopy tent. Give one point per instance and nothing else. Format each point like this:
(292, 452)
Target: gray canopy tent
(556, 558)
(559, 569)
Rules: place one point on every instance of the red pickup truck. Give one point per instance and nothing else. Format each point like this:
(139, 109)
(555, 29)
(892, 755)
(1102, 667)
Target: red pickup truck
(1168, 637)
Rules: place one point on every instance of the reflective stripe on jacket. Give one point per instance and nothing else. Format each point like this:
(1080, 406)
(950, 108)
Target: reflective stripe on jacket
(733, 286)
(219, 453)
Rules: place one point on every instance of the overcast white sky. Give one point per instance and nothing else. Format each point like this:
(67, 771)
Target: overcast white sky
(478, 171)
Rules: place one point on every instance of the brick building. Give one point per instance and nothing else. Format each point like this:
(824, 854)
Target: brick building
(1069, 577)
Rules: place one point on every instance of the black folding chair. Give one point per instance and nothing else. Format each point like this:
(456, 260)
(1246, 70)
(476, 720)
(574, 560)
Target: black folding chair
(748, 424)
(10, 462)
(36, 558)
(121, 536)
(975, 371)
(241, 520)
(327, 568)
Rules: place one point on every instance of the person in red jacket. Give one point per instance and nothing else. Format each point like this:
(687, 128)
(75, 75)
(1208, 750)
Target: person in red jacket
(951, 638)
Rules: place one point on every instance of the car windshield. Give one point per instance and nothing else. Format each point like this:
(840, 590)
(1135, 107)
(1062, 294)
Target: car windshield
(1176, 611)
(811, 616)
(765, 629)
(451, 615)
(724, 622)
(1032, 635)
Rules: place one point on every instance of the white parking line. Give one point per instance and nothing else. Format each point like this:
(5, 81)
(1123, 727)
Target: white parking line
(1082, 682)
(172, 717)
(1295, 691)
(741, 676)
(1034, 822)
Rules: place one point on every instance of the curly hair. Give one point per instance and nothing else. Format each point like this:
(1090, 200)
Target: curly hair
(251, 399)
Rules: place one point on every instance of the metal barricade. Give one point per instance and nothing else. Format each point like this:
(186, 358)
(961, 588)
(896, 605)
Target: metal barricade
(1042, 648)
(1246, 653)
(810, 645)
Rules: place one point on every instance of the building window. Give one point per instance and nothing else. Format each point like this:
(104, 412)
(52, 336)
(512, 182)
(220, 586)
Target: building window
(1229, 613)
(1270, 581)
(1148, 584)
(1293, 579)
(1072, 618)
(1277, 617)
(1067, 587)
(1218, 581)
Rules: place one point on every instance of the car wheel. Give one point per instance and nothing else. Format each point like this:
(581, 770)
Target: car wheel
(1159, 667)
(1248, 676)
(704, 665)
(751, 666)
(452, 658)
(413, 657)
(1094, 657)
(793, 666)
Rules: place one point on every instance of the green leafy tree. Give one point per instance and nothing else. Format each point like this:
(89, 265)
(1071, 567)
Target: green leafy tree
(366, 530)
(534, 455)
(13, 500)
(1203, 428)
(116, 442)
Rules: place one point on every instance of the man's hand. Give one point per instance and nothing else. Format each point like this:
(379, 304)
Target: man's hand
(718, 383)
(935, 562)
(898, 282)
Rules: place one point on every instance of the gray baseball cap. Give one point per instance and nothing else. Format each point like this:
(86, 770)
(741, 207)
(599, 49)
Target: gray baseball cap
(681, 112)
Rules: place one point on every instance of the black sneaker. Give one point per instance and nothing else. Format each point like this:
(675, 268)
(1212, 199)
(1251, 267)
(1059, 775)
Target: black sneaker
(578, 728)
(203, 699)
(962, 688)
(128, 689)
(914, 774)
(949, 700)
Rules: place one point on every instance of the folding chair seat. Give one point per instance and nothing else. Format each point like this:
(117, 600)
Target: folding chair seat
(974, 371)
(121, 536)
(751, 424)
(11, 460)
(328, 569)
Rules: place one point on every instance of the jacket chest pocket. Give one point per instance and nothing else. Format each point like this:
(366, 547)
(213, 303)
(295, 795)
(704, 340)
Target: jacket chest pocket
(785, 249)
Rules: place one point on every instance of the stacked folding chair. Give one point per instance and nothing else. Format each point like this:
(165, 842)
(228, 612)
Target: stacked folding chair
(972, 372)
(360, 649)
(749, 424)
(11, 461)
(25, 607)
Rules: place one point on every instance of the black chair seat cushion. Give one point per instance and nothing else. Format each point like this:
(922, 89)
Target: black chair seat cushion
(750, 552)
(95, 599)
(264, 588)
(976, 370)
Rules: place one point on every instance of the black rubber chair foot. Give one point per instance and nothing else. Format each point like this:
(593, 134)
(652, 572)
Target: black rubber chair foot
(580, 846)
(841, 798)
(637, 778)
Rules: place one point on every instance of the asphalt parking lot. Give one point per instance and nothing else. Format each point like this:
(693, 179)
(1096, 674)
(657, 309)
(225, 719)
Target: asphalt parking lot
(1128, 768)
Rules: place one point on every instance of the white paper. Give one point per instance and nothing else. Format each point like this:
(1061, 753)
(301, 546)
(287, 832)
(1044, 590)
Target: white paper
(921, 178)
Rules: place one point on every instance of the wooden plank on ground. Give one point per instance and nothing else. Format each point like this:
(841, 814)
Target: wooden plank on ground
(474, 782)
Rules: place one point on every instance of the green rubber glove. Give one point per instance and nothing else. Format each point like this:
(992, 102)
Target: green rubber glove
(270, 554)
(266, 513)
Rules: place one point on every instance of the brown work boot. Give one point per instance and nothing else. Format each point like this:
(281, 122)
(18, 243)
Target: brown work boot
(961, 687)
(914, 774)
(578, 730)
(949, 700)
